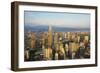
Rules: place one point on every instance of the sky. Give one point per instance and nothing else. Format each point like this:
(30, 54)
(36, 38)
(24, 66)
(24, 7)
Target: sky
(59, 19)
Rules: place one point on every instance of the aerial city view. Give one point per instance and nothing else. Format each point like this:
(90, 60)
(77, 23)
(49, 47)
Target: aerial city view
(56, 36)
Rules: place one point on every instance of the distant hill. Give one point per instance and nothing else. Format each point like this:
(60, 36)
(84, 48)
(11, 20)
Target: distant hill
(44, 28)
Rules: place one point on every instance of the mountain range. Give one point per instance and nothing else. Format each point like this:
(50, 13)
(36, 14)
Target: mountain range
(44, 28)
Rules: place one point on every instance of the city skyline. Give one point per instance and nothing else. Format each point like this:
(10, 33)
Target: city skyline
(56, 36)
(57, 19)
(56, 45)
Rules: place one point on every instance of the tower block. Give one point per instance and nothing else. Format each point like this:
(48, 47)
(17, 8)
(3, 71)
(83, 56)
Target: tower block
(50, 36)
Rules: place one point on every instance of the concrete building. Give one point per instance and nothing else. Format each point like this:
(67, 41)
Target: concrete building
(50, 36)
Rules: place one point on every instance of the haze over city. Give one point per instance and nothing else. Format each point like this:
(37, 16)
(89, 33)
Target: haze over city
(57, 19)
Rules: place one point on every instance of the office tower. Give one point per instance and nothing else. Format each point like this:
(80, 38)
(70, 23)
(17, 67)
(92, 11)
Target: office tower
(66, 48)
(56, 56)
(69, 35)
(27, 54)
(48, 53)
(73, 37)
(74, 46)
(86, 38)
(55, 38)
(65, 35)
(78, 38)
(31, 39)
(62, 51)
(50, 36)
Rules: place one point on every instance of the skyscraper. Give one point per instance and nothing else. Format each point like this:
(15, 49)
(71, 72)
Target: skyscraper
(50, 36)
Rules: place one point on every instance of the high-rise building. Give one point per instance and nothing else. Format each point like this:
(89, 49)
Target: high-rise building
(74, 46)
(69, 35)
(48, 53)
(32, 39)
(86, 38)
(50, 36)
(55, 38)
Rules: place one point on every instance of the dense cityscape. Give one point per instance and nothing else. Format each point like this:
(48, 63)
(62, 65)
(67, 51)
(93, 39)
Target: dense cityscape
(50, 45)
